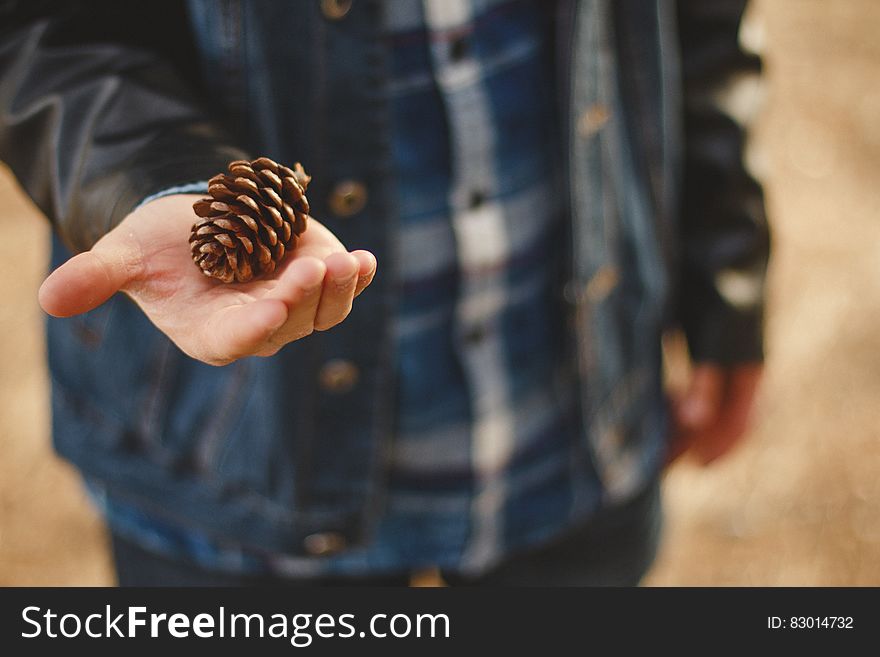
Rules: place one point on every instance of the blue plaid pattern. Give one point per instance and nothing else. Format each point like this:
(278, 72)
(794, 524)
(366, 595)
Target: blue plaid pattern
(487, 456)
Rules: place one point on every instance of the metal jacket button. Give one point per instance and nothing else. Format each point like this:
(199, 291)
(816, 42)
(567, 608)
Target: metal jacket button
(348, 198)
(334, 10)
(323, 544)
(338, 375)
(592, 120)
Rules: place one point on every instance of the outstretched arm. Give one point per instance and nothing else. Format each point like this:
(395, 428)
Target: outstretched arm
(93, 119)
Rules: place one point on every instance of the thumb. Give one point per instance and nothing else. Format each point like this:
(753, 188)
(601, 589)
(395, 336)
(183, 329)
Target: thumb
(699, 407)
(87, 280)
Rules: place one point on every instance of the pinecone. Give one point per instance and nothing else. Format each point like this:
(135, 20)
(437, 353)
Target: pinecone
(252, 219)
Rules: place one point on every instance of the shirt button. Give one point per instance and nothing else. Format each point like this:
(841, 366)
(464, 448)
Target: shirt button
(324, 544)
(459, 49)
(476, 199)
(335, 9)
(592, 120)
(476, 334)
(338, 376)
(348, 198)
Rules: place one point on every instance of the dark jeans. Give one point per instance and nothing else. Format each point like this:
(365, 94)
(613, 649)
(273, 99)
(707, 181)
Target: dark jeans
(615, 548)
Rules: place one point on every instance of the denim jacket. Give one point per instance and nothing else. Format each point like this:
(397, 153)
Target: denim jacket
(103, 106)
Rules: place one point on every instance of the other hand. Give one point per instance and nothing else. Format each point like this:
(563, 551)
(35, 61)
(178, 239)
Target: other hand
(712, 416)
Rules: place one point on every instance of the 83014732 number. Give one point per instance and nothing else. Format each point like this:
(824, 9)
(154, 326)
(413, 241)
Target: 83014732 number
(810, 623)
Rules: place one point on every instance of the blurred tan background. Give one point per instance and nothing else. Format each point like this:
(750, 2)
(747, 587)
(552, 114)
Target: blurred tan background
(798, 504)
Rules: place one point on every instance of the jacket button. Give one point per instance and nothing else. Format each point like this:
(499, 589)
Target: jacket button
(324, 544)
(348, 198)
(602, 283)
(338, 376)
(335, 9)
(592, 120)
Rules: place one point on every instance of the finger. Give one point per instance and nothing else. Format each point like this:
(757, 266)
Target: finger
(698, 408)
(367, 266)
(268, 350)
(241, 331)
(318, 242)
(338, 290)
(87, 280)
(734, 416)
(300, 289)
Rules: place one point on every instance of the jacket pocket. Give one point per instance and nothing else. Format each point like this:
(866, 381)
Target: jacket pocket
(109, 366)
(221, 425)
(124, 394)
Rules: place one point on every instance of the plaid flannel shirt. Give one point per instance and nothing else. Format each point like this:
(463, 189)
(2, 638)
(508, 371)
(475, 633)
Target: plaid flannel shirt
(486, 457)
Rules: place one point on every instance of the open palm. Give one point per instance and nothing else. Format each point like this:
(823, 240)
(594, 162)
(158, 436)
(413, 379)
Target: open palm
(147, 256)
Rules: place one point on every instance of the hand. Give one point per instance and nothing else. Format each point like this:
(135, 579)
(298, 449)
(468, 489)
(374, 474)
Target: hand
(147, 256)
(712, 416)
